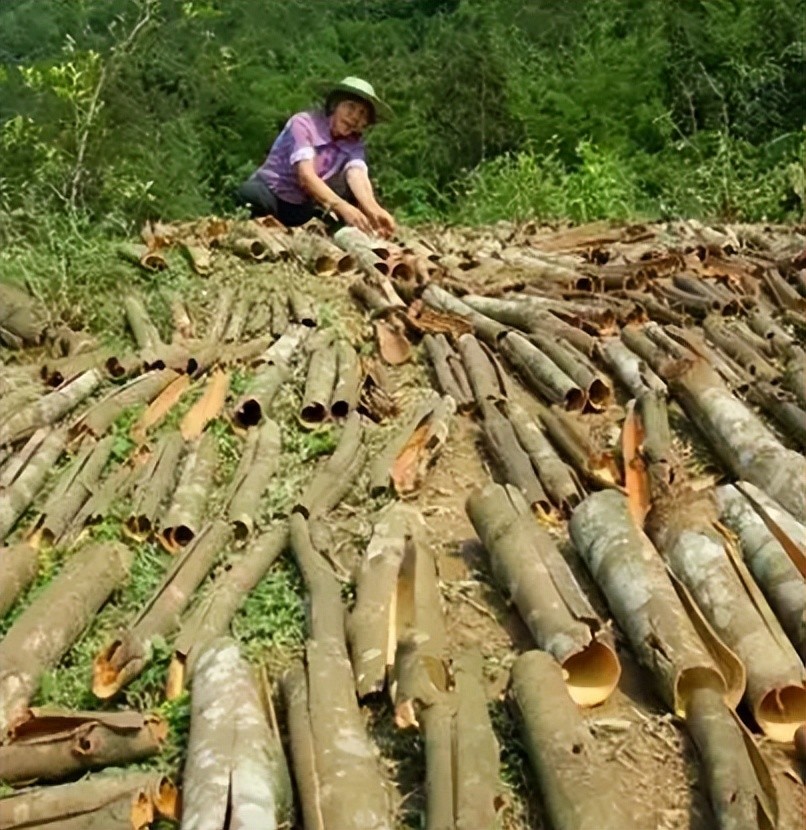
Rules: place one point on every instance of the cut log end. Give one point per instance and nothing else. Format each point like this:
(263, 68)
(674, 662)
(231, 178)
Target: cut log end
(340, 409)
(313, 413)
(574, 400)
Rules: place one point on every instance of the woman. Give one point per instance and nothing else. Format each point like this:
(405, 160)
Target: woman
(318, 160)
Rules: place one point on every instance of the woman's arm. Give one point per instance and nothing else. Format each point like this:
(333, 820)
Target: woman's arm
(318, 189)
(361, 187)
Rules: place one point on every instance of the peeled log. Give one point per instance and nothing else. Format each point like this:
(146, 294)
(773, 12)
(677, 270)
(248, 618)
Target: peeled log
(528, 566)
(576, 784)
(770, 564)
(50, 744)
(743, 443)
(684, 528)
(644, 602)
(236, 773)
(50, 625)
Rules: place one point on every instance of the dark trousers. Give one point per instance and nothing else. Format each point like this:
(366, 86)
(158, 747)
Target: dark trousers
(263, 201)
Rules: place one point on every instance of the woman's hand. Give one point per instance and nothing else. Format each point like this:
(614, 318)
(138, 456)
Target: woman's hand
(382, 221)
(352, 216)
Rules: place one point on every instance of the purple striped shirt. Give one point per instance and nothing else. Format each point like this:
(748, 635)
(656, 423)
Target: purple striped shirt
(306, 135)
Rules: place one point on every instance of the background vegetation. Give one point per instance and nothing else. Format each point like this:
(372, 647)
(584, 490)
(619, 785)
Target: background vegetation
(116, 110)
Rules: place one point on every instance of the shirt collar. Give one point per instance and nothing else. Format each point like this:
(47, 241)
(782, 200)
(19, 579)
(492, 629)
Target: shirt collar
(321, 132)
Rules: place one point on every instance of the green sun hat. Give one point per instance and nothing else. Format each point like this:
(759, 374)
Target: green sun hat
(363, 89)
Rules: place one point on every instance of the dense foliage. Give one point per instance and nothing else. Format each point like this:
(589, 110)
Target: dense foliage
(121, 109)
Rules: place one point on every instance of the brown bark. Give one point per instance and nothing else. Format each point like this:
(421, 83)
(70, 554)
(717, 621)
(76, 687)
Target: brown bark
(449, 370)
(50, 744)
(487, 379)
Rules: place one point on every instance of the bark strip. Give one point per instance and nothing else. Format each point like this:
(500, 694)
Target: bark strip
(540, 373)
(371, 631)
(236, 773)
(50, 625)
(185, 516)
(576, 785)
(127, 655)
(347, 389)
(75, 486)
(532, 572)
(743, 443)
(154, 484)
(207, 408)
(259, 462)
(684, 528)
(402, 464)
(644, 602)
(510, 458)
(558, 479)
(250, 410)
(50, 744)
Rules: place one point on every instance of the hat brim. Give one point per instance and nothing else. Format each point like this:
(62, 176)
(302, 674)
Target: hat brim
(383, 112)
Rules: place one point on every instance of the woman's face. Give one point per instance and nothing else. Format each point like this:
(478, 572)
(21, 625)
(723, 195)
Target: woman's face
(349, 118)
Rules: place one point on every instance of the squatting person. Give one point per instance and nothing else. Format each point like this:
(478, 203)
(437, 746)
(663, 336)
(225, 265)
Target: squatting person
(317, 164)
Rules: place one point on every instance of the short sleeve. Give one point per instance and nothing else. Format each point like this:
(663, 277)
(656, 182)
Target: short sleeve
(302, 142)
(356, 157)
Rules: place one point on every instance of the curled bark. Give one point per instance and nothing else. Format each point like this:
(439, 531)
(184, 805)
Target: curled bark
(346, 390)
(487, 379)
(320, 381)
(128, 654)
(50, 408)
(237, 319)
(320, 256)
(144, 331)
(402, 464)
(147, 258)
(18, 568)
(746, 447)
(510, 457)
(236, 773)
(250, 410)
(223, 309)
(25, 474)
(590, 462)
(576, 786)
(530, 569)
(483, 327)
(371, 631)
(207, 408)
(333, 479)
(75, 486)
(129, 801)
(302, 309)
(184, 517)
(782, 408)
(23, 320)
(769, 563)
(50, 744)
(449, 370)
(142, 390)
(644, 602)
(628, 367)
(64, 369)
(154, 484)
(50, 625)
(279, 314)
(755, 364)
(259, 461)
(540, 373)
(740, 787)
(212, 616)
(684, 529)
